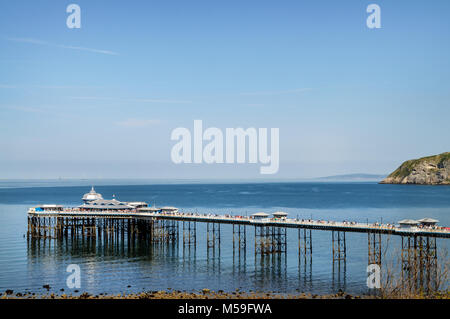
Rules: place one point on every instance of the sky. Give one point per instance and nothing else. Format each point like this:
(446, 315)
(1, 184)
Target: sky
(101, 101)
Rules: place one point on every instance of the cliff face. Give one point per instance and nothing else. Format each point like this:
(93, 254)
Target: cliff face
(431, 170)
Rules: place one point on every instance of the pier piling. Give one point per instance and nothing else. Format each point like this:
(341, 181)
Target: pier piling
(339, 252)
(374, 248)
(263, 239)
(213, 235)
(419, 263)
(239, 238)
(304, 244)
(270, 239)
(189, 233)
(338, 246)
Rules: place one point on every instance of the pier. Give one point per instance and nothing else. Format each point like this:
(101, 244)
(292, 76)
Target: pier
(58, 218)
(134, 222)
(418, 249)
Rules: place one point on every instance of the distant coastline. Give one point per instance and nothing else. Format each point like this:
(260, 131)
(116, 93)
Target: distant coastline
(26, 183)
(353, 178)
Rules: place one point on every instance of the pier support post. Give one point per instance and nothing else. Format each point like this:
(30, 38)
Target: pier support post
(305, 255)
(279, 239)
(239, 238)
(263, 239)
(419, 263)
(31, 227)
(374, 248)
(171, 231)
(408, 262)
(338, 245)
(165, 231)
(157, 231)
(213, 235)
(239, 245)
(430, 265)
(304, 243)
(189, 233)
(339, 251)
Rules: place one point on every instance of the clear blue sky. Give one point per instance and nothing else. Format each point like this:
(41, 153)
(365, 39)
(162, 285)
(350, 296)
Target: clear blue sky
(101, 101)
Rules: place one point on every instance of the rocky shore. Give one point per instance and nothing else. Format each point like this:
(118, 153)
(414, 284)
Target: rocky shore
(204, 294)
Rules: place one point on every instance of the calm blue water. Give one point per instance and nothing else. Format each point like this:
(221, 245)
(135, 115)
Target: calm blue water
(105, 269)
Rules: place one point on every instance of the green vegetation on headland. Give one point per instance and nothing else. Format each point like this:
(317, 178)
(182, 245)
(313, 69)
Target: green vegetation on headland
(430, 170)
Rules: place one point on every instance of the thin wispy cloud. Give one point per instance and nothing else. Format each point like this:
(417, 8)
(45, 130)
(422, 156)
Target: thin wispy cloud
(88, 49)
(47, 111)
(50, 87)
(254, 104)
(7, 86)
(276, 92)
(26, 109)
(161, 101)
(138, 122)
(70, 47)
(56, 87)
(168, 101)
(27, 40)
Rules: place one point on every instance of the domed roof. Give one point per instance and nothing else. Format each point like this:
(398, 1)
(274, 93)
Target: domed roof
(92, 195)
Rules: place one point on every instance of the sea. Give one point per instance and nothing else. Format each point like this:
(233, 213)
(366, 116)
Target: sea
(29, 266)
